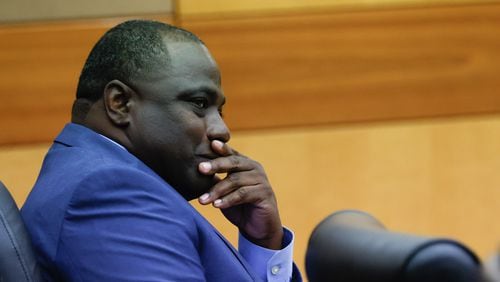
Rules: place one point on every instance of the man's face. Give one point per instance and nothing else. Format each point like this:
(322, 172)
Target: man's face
(176, 116)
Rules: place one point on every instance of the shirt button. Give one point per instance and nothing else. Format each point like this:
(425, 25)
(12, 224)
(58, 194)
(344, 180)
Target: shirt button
(275, 269)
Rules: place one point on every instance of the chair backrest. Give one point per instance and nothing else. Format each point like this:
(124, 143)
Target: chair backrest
(352, 246)
(17, 259)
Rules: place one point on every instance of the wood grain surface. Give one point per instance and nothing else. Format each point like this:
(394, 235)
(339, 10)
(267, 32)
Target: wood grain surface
(281, 71)
(358, 66)
(196, 8)
(39, 68)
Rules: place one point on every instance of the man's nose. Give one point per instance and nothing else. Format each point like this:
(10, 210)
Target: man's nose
(217, 128)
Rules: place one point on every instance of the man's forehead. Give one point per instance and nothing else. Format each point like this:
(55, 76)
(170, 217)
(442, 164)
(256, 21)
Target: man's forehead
(191, 58)
(183, 52)
(189, 66)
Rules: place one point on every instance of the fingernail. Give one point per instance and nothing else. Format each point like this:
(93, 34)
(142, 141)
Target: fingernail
(217, 202)
(217, 144)
(204, 197)
(205, 167)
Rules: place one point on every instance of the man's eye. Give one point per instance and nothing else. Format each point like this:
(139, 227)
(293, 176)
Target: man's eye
(200, 103)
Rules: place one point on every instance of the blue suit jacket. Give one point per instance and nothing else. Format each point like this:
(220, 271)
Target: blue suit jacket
(97, 213)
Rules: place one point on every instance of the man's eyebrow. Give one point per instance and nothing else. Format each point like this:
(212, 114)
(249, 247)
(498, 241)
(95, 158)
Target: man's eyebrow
(211, 92)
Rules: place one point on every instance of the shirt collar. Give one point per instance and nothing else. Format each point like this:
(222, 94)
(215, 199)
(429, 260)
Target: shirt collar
(114, 142)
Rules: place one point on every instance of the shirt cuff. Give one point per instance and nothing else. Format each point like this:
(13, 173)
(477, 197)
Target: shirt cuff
(270, 265)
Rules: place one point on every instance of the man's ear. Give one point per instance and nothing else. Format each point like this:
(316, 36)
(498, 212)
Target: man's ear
(117, 102)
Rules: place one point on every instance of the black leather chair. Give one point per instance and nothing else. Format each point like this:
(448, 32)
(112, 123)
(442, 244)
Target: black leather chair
(17, 260)
(352, 246)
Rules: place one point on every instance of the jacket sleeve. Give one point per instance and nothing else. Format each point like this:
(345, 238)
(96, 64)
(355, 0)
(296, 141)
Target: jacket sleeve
(126, 225)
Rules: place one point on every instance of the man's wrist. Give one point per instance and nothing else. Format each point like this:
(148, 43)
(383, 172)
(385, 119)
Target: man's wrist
(272, 242)
(270, 265)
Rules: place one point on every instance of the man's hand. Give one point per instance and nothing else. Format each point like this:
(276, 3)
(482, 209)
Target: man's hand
(244, 196)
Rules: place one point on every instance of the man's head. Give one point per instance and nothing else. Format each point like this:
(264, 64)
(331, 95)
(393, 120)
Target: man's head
(130, 50)
(155, 89)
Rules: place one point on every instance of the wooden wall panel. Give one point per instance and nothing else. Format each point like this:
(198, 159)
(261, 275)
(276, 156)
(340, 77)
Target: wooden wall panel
(331, 67)
(196, 8)
(280, 71)
(19, 167)
(39, 68)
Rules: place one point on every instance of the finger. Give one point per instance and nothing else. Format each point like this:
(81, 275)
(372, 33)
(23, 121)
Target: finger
(229, 184)
(228, 164)
(243, 195)
(223, 149)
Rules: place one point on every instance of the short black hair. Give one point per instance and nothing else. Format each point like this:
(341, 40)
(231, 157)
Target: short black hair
(132, 49)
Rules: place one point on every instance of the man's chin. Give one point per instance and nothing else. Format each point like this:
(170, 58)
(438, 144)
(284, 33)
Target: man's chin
(198, 187)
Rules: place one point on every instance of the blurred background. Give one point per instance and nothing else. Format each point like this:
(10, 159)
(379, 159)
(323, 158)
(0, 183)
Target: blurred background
(388, 106)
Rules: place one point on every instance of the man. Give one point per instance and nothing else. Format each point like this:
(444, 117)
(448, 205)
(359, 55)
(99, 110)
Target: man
(147, 136)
